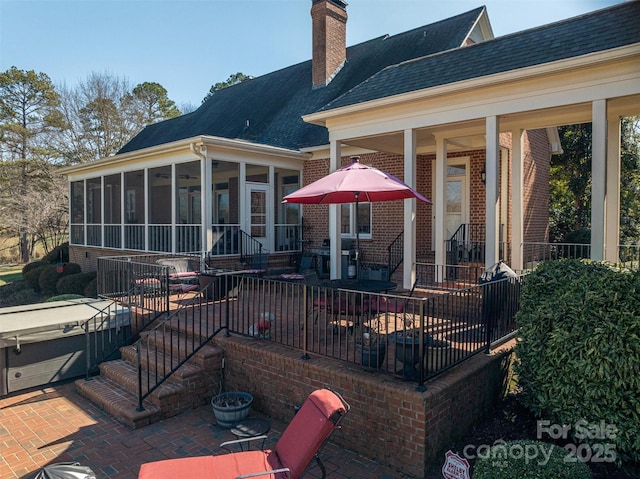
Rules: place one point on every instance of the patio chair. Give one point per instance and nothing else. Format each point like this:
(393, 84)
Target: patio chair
(299, 444)
(183, 275)
(317, 297)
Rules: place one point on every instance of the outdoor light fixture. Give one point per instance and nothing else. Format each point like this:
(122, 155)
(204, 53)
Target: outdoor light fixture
(483, 176)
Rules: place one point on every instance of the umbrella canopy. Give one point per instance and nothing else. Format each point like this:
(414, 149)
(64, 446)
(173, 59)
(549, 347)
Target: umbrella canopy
(354, 183)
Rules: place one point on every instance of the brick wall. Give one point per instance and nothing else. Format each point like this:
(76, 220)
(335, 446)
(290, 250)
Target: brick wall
(390, 421)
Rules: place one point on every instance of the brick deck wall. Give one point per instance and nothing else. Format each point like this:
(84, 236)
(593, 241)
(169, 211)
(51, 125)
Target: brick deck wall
(390, 421)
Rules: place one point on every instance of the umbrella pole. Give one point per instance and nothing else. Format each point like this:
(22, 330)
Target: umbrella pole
(357, 239)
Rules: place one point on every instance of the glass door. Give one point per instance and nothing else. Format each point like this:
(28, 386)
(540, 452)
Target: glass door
(259, 212)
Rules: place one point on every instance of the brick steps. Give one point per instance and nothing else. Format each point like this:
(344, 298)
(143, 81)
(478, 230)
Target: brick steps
(191, 385)
(120, 403)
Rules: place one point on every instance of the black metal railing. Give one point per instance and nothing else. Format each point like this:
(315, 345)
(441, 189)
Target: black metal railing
(434, 276)
(174, 341)
(105, 332)
(373, 329)
(250, 248)
(395, 253)
(534, 253)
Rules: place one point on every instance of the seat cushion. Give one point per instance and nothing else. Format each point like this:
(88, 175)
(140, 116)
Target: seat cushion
(224, 466)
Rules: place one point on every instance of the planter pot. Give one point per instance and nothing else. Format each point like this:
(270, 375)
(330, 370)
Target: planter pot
(231, 408)
(437, 357)
(371, 356)
(408, 353)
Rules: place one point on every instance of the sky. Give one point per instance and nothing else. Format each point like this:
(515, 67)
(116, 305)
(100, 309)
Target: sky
(189, 45)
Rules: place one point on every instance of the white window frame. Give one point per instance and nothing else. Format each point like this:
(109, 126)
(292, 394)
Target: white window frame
(352, 221)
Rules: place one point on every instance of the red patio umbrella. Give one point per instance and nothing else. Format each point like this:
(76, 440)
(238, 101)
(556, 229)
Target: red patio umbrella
(354, 183)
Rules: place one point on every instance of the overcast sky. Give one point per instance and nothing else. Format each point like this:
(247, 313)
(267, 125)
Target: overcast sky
(188, 45)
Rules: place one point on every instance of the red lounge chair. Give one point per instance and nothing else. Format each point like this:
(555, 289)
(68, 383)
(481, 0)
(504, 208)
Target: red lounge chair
(320, 414)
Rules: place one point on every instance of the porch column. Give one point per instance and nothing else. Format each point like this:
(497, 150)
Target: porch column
(440, 207)
(334, 216)
(174, 207)
(207, 202)
(492, 204)
(242, 195)
(409, 252)
(612, 209)
(598, 177)
(517, 211)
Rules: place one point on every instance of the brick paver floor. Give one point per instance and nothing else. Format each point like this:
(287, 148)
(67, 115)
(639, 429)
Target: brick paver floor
(55, 424)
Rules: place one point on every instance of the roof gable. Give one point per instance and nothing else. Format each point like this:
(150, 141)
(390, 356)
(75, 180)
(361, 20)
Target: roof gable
(269, 109)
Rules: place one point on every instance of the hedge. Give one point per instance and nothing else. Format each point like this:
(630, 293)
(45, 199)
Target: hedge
(579, 350)
(50, 276)
(75, 283)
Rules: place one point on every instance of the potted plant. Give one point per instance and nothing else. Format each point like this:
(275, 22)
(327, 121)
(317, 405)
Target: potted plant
(371, 349)
(408, 351)
(231, 407)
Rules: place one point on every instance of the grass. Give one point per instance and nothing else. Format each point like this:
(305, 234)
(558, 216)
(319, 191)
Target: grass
(9, 274)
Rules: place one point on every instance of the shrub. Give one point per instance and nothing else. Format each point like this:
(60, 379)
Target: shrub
(32, 277)
(53, 256)
(33, 265)
(579, 353)
(50, 276)
(528, 460)
(23, 296)
(74, 283)
(91, 291)
(63, 297)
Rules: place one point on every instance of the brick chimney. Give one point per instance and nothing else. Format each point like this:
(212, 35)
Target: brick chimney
(329, 19)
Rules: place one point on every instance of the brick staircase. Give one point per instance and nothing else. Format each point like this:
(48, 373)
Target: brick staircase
(192, 385)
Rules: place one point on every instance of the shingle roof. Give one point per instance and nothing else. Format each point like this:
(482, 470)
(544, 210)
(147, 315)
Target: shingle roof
(273, 104)
(597, 31)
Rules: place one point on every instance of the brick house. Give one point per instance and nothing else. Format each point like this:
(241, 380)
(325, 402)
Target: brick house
(467, 119)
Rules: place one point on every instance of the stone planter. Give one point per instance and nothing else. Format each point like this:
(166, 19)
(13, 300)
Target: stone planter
(231, 408)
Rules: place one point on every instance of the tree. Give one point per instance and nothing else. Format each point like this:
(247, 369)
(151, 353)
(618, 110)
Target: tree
(149, 103)
(570, 182)
(232, 80)
(29, 117)
(104, 112)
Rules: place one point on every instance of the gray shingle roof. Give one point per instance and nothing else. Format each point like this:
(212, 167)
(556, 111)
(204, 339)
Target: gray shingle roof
(273, 104)
(597, 31)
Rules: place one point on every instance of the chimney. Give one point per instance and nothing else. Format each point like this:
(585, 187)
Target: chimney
(329, 18)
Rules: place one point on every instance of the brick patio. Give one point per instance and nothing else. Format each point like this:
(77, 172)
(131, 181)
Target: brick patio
(55, 424)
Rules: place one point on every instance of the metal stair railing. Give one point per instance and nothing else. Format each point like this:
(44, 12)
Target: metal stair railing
(178, 338)
(395, 253)
(250, 247)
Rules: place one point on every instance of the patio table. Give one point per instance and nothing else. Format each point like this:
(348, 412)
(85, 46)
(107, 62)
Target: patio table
(364, 285)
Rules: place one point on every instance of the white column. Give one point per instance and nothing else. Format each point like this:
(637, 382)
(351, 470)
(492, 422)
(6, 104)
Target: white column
(174, 207)
(122, 211)
(440, 210)
(517, 202)
(409, 253)
(492, 204)
(612, 209)
(207, 202)
(598, 177)
(146, 209)
(334, 216)
(242, 196)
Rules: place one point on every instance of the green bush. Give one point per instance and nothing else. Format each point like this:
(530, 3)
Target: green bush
(74, 283)
(579, 353)
(528, 460)
(32, 277)
(91, 291)
(21, 297)
(50, 276)
(33, 265)
(63, 297)
(53, 257)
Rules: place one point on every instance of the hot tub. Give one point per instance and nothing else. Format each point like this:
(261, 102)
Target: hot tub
(44, 343)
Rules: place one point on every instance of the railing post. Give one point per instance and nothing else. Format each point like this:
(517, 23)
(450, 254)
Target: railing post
(421, 387)
(139, 356)
(305, 354)
(87, 350)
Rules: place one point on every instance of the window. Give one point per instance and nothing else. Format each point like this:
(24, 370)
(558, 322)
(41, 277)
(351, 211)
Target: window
(348, 220)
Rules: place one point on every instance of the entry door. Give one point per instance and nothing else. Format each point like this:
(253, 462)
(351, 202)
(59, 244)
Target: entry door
(259, 212)
(456, 197)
